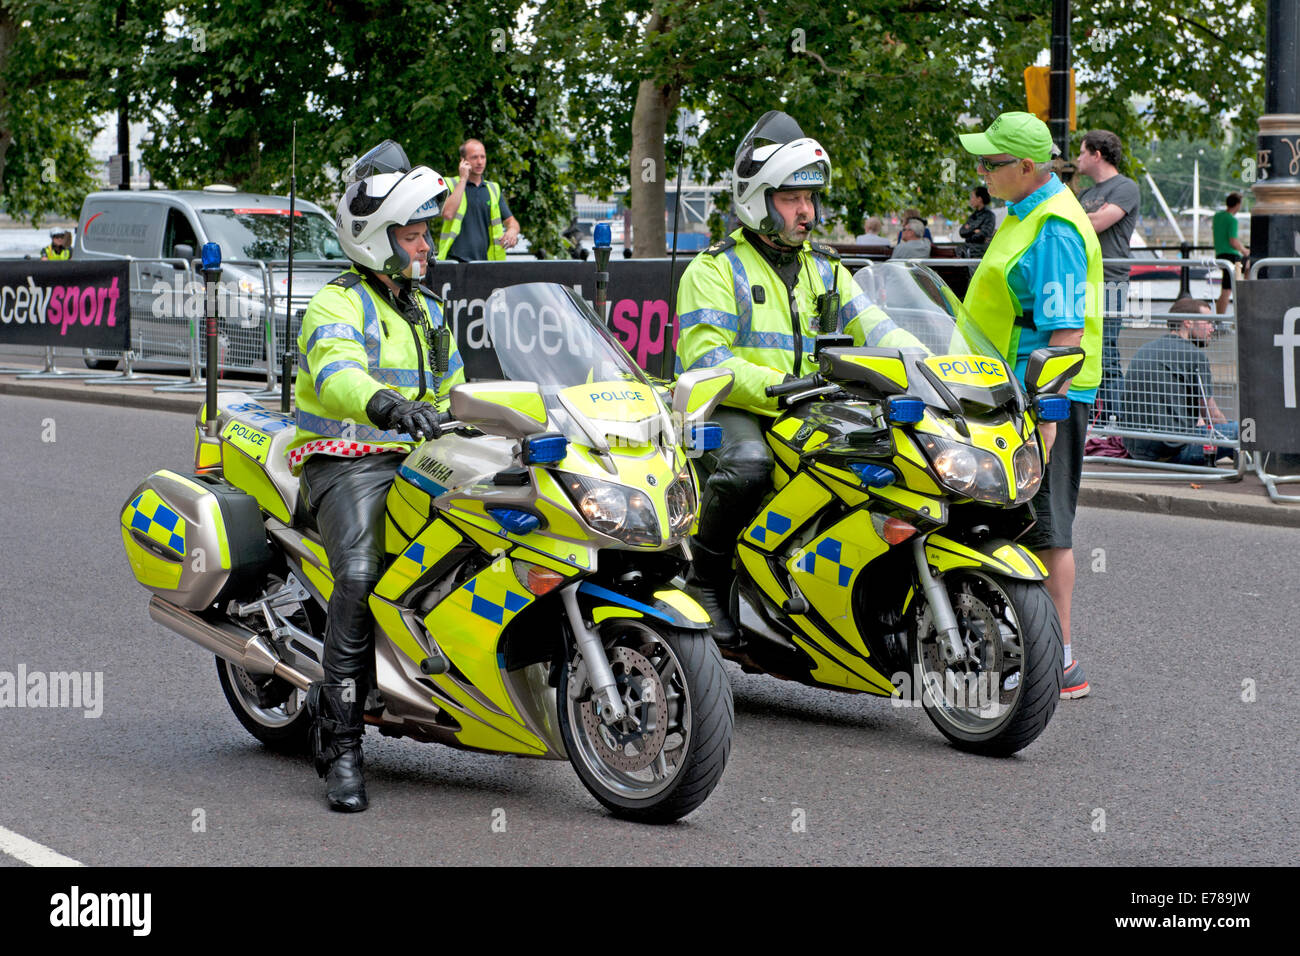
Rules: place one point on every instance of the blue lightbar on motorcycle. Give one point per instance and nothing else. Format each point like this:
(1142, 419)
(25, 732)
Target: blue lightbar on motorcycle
(1052, 408)
(545, 449)
(515, 521)
(872, 476)
(211, 256)
(704, 436)
(600, 236)
(901, 410)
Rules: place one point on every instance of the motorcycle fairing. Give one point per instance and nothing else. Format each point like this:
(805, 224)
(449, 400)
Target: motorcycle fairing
(826, 568)
(794, 505)
(999, 556)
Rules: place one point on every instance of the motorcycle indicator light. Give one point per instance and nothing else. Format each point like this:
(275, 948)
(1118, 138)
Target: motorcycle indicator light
(515, 521)
(892, 530)
(901, 410)
(545, 449)
(873, 476)
(1052, 408)
(537, 579)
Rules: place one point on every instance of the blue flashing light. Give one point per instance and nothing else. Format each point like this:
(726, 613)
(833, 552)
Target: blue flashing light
(705, 436)
(211, 256)
(901, 410)
(545, 449)
(515, 521)
(1052, 408)
(600, 235)
(872, 476)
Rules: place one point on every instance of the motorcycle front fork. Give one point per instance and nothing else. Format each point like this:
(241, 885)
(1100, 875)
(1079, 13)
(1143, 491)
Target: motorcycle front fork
(945, 620)
(603, 684)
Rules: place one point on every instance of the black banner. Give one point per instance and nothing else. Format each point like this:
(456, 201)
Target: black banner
(638, 297)
(1268, 338)
(67, 303)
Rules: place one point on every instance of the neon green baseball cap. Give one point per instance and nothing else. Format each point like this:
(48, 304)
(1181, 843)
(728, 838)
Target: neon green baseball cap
(1022, 135)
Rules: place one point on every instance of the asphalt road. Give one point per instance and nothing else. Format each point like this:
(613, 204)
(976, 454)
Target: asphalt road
(1165, 763)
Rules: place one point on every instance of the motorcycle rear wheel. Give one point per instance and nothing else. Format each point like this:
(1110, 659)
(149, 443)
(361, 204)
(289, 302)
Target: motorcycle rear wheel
(1013, 635)
(271, 709)
(663, 760)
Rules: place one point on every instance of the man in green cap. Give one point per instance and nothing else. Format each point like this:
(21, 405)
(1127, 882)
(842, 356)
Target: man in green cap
(1040, 283)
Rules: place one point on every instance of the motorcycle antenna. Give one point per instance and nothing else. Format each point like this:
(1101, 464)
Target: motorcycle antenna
(286, 358)
(669, 354)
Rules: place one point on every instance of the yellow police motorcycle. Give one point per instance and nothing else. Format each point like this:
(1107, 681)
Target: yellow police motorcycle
(886, 562)
(527, 607)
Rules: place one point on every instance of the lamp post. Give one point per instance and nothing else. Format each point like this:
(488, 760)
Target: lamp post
(1275, 218)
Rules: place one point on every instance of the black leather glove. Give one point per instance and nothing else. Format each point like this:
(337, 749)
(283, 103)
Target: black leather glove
(389, 411)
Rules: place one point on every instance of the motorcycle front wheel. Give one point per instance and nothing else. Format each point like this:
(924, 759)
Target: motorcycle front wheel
(664, 758)
(1001, 695)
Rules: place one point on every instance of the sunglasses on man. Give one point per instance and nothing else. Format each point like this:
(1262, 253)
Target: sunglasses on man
(991, 164)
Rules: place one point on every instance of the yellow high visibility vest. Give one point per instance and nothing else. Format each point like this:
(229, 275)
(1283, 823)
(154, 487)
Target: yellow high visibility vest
(451, 227)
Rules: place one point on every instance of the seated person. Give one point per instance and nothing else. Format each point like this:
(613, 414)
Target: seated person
(871, 236)
(912, 242)
(1168, 389)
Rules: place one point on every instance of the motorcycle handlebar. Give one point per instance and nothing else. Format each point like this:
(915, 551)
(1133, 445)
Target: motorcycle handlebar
(795, 385)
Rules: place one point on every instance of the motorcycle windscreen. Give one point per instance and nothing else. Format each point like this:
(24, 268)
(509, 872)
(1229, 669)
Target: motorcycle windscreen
(906, 305)
(545, 333)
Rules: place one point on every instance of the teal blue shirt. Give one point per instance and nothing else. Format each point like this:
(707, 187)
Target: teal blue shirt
(1049, 281)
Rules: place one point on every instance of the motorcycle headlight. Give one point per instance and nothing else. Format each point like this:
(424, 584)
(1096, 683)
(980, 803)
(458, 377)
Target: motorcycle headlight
(615, 510)
(1029, 469)
(681, 503)
(969, 471)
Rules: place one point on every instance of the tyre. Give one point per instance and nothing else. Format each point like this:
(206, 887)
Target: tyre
(998, 699)
(662, 760)
(270, 708)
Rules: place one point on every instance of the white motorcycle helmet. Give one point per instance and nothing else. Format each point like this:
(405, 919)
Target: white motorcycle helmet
(384, 193)
(775, 155)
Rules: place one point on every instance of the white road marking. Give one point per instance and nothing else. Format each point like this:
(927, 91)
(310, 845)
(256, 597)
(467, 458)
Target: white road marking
(30, 852)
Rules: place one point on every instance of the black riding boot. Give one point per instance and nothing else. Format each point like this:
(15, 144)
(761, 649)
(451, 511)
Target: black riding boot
(338, 710)
(710, 581)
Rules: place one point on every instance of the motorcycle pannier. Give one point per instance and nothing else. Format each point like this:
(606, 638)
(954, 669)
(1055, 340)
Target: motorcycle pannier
(195, 540)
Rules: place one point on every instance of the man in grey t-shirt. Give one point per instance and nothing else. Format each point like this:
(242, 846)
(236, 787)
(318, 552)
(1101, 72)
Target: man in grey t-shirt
(1112, 208)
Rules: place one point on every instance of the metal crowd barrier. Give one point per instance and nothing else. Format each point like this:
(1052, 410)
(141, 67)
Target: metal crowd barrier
(1260, 461)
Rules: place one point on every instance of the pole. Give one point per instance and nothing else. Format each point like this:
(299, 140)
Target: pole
(286, 358)
(1059, 108)
(211, 275)
(1196, 202)
(600, 237)
(668, 364)
(1275, 218)
(123, 118)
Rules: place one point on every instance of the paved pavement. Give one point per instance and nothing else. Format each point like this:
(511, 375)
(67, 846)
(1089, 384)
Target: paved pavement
(1246, 500)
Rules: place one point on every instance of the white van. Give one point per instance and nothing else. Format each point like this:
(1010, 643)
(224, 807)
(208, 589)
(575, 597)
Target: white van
(173, 225)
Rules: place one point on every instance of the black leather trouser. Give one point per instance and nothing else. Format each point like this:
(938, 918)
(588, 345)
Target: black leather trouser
(741, 476)
(347, 496)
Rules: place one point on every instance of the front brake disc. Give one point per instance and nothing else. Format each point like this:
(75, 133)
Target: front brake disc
(634, 742)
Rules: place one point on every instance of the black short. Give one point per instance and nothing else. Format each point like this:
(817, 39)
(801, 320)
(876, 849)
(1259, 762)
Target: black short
(1058, 496)
(1227, 272)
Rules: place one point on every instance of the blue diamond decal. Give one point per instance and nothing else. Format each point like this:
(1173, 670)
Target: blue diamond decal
(778, 523)
(845, 574)
(140, 522)
(487, 609)
(829, 549)
(166, 517)
(515, 602)
(758, 534)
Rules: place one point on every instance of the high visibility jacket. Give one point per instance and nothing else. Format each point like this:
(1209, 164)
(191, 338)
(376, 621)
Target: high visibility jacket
(997, 311)
(734, 311)
(351, 345)
(451, 227)
(49, 252)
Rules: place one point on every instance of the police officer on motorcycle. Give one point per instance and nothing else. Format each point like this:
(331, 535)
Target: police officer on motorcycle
(60, 246)
(374, 356)
(755, 303)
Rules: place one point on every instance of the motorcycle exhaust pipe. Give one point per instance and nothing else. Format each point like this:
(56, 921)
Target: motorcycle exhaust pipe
(235, 644)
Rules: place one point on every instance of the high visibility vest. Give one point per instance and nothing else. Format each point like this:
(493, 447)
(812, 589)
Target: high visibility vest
(49, 252)
(734, 312)
(995, 308)
(451, 227)
(351, 345)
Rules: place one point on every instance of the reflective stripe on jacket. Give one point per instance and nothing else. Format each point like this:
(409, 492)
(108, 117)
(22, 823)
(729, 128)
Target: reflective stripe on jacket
(995, 308)
(451, 227)
(722, 322)
(352, 344)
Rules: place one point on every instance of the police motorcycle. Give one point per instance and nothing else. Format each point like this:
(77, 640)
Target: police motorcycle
(886, 562)
(527, 607)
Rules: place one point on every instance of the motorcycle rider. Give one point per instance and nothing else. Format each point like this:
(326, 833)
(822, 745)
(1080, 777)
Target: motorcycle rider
(60, 246)
(754, 303)
(374, 354)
